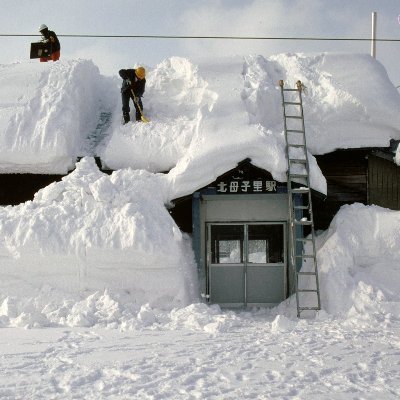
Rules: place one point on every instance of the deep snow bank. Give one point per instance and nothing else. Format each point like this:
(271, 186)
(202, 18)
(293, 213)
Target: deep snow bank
(90, 251)
(94, 232)
(349, 100)
(359, 262)
(47, 111)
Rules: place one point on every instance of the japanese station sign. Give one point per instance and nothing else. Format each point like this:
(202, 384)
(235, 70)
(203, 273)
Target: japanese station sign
(246, 186)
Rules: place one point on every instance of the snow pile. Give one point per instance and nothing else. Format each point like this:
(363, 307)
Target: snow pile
(397, 155)
(359, 262)
(112, 283)
(175, 98)
(46, 112)
(92, 232)
(349, 101)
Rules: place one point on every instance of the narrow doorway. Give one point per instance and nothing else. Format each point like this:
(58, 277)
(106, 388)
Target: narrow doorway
(246, 264)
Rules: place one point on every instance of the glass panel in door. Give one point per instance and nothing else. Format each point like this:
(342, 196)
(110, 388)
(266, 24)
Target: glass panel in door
(265, 244)
(226, 273)
(265, 272)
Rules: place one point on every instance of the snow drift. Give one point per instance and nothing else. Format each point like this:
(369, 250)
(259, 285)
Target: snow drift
(359, 262)
(47, 110)
(94, 232)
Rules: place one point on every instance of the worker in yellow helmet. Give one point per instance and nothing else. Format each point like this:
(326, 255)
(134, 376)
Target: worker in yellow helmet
(133, 86)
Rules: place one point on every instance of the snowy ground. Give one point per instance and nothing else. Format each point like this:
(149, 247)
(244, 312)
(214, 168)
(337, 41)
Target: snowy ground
(240, 356)
(104, 346)
(98, 288)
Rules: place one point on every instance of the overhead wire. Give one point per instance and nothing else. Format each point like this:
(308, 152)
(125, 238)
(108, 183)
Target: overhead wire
(210, 37)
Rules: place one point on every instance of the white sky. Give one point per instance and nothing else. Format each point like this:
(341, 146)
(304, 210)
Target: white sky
(278, 18)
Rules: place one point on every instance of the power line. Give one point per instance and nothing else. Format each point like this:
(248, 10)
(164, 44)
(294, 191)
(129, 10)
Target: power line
(349, 39)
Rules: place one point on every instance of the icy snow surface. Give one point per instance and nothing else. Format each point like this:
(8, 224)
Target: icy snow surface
(97, 260)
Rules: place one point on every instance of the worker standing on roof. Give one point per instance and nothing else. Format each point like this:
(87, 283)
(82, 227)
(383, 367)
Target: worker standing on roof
(133, 87)
(51, 38)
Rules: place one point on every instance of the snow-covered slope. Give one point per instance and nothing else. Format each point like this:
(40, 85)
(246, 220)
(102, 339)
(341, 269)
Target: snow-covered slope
(94, 232)
(349, 99)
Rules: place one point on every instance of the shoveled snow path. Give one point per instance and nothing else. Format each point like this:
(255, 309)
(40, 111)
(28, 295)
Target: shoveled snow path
(260, 358)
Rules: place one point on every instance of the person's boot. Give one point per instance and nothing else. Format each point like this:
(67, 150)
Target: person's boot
(126, 118)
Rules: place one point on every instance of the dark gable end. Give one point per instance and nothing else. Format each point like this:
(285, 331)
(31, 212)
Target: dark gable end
(346, 173)
(369, 176)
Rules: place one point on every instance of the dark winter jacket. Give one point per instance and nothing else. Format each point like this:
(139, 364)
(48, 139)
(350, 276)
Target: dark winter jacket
(137, 85)
(51, 37)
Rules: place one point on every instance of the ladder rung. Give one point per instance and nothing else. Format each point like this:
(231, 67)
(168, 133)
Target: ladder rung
(293, 116)
(301, 190)
(294, 130)
(298, 160)
(292, 103)
(306, 273)
(304, 189)
(296, 145)
(303, 222)
(298, 175)
(308, 308)
(308, 290)
(304, 240)
(301, 207)
(290, 90)
(306, 256)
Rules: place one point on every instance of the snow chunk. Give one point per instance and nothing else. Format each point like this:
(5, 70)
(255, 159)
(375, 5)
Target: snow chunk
(359, 259)
(46, 112)
(282, 324)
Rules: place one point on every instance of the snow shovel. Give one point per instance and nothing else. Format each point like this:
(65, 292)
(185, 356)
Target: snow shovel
(135, 99)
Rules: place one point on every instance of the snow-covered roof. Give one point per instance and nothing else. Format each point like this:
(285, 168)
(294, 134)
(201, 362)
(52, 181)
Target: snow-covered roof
(205, 116)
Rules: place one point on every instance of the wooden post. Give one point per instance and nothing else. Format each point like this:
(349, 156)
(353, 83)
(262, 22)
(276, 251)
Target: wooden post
(373, 35)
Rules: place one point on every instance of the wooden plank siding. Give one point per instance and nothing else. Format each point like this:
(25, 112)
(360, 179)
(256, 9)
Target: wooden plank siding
(357, 175)
(19, 188)
(383, 182)
(346, 173)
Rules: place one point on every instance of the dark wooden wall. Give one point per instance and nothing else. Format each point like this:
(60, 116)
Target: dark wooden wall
(18, 188)
(352, 176)
(346, 173)
(384, 182)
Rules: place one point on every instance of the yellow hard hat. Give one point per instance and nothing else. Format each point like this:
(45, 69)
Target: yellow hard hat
(140, 72)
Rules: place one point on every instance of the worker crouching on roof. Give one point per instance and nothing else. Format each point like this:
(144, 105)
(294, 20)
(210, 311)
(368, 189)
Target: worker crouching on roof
(133, 86)
(50, 37)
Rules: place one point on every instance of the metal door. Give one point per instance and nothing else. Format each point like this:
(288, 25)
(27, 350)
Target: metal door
(246, 263)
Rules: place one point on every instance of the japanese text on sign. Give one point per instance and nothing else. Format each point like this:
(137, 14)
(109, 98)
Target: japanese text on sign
(256, 186)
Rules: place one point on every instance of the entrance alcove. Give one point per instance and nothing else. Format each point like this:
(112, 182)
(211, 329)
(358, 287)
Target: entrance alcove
(239, 229)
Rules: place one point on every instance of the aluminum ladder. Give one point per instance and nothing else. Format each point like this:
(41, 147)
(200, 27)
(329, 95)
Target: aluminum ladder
(305, 283)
